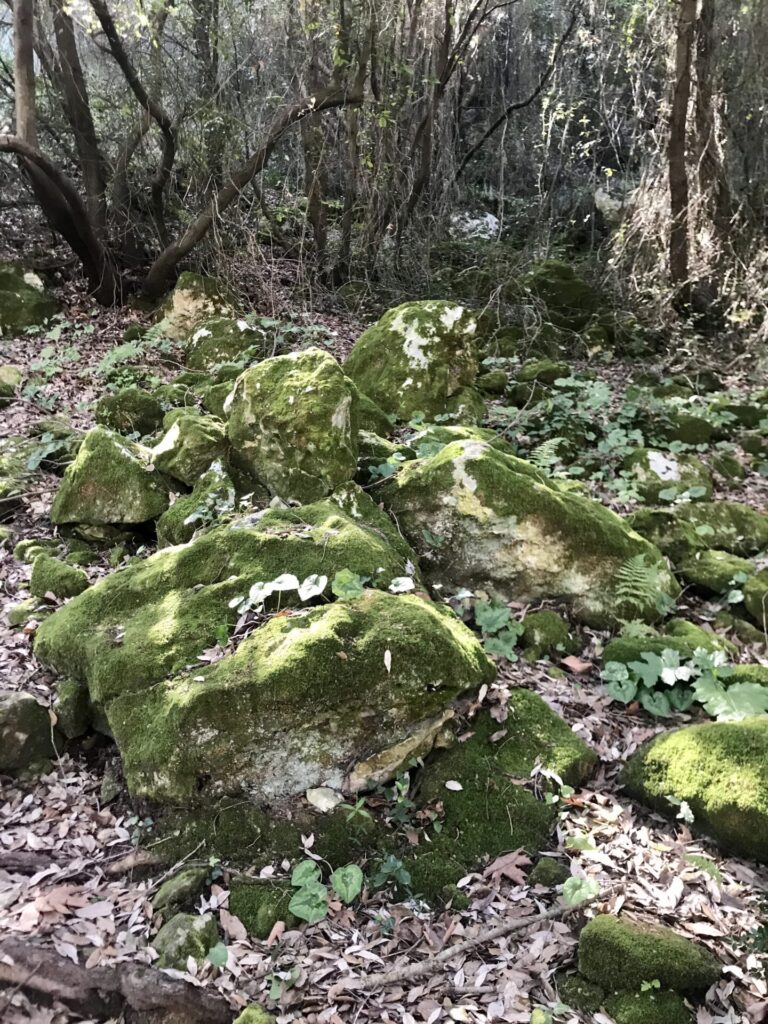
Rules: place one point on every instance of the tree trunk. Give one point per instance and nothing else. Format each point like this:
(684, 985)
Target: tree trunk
(676, 154)
(712, 178)
(24, 70)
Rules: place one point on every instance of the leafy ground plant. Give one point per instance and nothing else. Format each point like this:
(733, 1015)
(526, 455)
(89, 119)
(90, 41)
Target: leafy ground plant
(310, 901)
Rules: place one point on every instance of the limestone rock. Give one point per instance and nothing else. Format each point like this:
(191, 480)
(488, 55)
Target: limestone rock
(225, 339)
(194, 300)
(662, 476)
(129, 411)
(420, 357)
(293, 425)
(189, 447)
(212, 496)
(25, 731)
(184, 936)
(111, 481)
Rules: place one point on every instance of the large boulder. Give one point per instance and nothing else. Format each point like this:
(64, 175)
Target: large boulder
(301, 700)
(24, 301)
(189, 446)
(111, 481)
(420, 357)
(720, 769)
(129, 411)
(154, 617)
(194, 300)
(293, 425)
(486, 520)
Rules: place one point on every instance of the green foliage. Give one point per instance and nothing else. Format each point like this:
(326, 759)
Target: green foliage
(310, 901)
(637, 586)
(580, 890)
(500, 631)
(347, 585)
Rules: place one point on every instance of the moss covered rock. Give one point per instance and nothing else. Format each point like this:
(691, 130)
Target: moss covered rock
(189, 447)
(372, 417)
(72, 708)
(185, 936)
(26, 733)
(569, 300)
(181, 890)
(130, 411)
(10, 382)
(714, 571)
(225, 339)
(212, 497)
(756, 598)
(649, 1007)
(169, 607)
(549, 872)
(378, 457)
(491, 813)
(696, 526)
(678, 425)
(24, 611)
(485, 520)
(215, 398)
(662, 476)
(293, 425)
(419, 357)
(194, 300)
(544, 633)
(255, 1015)
(665, 530)
(261, 906)
(24, 302)
(721, 770)
(435, 436)
(492, 382)
(50, 576)
(111, 481)
(300, 701)
(620, 954)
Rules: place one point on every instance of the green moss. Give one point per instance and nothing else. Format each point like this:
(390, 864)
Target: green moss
(168, 608)
(184, 936)
(743, 630)
(683, 426)
(569, 300)
(434, 436)
(419, 357)
(542, 371)
(31, 608)
(714, 571)
(172, 396)
(492, 813)
(549, 872)
(255, 1015)
(754, 444)
(696, 636)
(618, 953)
(728, 467)
(110, 481)
(292, 707)
(212, 497)
(661, 473)
(721, 770)
(544, 633)
(372, 417)
(49, 575)
(492, 382)
(215, 397)
(181, 890)
(375, 451)
(129, 411)
(293, 425)
(189, 447)
(260, 906)
(24, 301)
(649, 1007)
(29, 548)
(223, 339)
(72, 708)
(736, 528)
(579, 993)
(756, 598)
(10, 382)
(671, 535)
(482, 519)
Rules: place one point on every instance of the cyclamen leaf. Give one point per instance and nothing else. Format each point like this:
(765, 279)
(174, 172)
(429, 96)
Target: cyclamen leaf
(655, 703)
(347, 585)
(217, 955)
(742, 700)
(347, 882)
(306, 872)
(578, 890)
(401, 585)
(624, 690)
(310, 903)
(312, 586)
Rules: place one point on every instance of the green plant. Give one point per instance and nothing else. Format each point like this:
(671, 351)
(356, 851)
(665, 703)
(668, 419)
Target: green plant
(310, 901)
(391, 869)
(636, 586)
(500, 631)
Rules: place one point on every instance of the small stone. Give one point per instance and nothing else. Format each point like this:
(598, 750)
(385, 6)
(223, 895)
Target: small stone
(184, 936)
(181, 891)
(51, 576)
(10, 382)
(25, 732)
(72, 708)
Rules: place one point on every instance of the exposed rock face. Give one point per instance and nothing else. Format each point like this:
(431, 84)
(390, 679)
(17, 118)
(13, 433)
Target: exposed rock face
(492, 521)
(111, 481)
(194, 300)
(420, 357)
(24, 301)
(293, 425)
(720, 769)
(303, 698)
(223, 340)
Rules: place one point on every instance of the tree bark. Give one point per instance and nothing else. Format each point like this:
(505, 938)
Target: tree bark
(712, 178)
(676, 154)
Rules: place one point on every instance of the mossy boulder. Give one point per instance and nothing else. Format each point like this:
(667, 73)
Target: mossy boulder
(662, 476)
(24, 302)
(212, 496)
(194, 300)
(492, 382)
(51, 576)
(420, 357)
(542, 371)
(26, 733)
(25, 611)
(728, 467)
(10, 382)
(672, 536)
(181, 890)
(744, 631)
(225, 339)
(546, 633)
(720, 769)
(620, 954)
(626, 649)
(168, 608)
(569, 300)
(372, 417)
(491, 813)
(130, 411)
(260, 906)
(715, 572)
(111, 481)
(697, 636)
(189, 447)
(485, 520)
(175, 396)
(293, 425)
(185, 936)
(72, 708)
(310, 699)
(697, 526)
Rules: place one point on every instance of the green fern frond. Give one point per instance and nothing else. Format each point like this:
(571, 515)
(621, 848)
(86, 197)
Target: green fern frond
(545, 455)
(636, 584)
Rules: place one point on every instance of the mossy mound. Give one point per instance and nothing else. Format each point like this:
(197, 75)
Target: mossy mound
(155, 616)
(255, 1015)
(10, 382)
(189, 447)
(649, 1007)
(492, 382)
(714, 571)
(485, 520)
(696, 636)
(420, 357)
(194, 300)
(662, 476)
(542, 371)
(185, 936)
(620, 954)
(215, 398)
(677, 425)
(212, 497)
(130, 411)
(569, 300)
(25, 611)
(756, 598)
(674, 537)
(720, 769)
(50, 576)
(224, 339)
(72, 708)
(300, 701)
(293, 425)
(24, 302)
(26, 735)
(697, 526)
(372, 417)
(29, 548)
(492, 813)
(549, 873)
(679, 635)
(260, 906)
(111, 481)
(546, 633)
(434, 437)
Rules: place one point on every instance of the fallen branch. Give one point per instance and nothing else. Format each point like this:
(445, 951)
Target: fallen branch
(26, 863)
(106, 991)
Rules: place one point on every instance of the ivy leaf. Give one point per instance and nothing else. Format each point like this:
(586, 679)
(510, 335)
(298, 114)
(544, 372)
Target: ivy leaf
(491, 616)
(310, 903)
(306, 872)
(347, 585)
(347, 882)
(655, 703)
(217, 955)
(578, 890)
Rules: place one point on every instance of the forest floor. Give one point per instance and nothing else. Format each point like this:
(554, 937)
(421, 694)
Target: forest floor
(87, 899)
